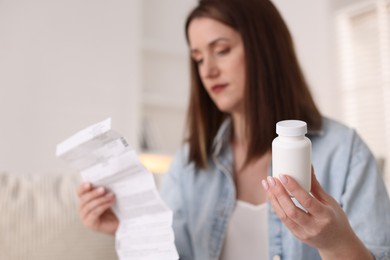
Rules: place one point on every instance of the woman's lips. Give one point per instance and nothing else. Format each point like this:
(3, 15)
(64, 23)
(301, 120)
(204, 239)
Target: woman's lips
(218, 88)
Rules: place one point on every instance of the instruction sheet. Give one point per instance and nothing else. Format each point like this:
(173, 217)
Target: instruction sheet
(104, 158)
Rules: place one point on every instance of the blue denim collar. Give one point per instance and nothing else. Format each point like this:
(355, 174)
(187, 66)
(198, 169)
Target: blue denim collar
(224, 134)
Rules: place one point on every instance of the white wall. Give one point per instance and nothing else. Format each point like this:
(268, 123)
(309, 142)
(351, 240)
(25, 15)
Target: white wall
(339, 4)
(63, 66)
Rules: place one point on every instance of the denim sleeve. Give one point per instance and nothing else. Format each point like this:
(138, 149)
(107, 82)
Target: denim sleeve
(366, 201)
(172, 194)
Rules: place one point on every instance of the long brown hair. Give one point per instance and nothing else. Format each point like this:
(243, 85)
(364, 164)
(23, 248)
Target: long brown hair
(275, 86)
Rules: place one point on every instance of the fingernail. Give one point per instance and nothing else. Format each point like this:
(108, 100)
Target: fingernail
(265, 185)
(86, 185)
(100, 190)
(109, 195)
(271, 181)
(283, 179)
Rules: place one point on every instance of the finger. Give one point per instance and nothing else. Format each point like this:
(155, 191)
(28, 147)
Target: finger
(91, 195)
(317, 190)
(310, 203)
(277, 208)
(289, 223)
(91, 207)
(83, 188)
(286, 204)
(93, 215)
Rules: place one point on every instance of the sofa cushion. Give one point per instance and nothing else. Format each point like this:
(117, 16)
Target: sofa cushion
(39, 220)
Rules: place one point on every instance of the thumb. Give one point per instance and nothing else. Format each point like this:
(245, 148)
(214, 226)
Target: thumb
(317, 190)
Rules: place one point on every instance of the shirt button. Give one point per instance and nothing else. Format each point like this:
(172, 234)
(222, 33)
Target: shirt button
(276, 257)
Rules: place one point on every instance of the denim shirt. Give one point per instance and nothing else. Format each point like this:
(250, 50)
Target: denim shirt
(202, 200)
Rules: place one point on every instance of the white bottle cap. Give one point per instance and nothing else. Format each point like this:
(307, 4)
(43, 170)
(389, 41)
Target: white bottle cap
(291, 128)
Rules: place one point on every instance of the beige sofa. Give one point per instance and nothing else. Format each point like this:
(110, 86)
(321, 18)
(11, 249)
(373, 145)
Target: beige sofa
(39, 221)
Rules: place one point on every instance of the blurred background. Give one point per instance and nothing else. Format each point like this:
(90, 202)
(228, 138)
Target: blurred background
(65, 65)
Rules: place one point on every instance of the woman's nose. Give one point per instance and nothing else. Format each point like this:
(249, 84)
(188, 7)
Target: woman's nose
(210, 69)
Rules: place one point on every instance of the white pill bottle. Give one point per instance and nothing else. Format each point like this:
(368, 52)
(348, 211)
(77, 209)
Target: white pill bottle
(291, 152)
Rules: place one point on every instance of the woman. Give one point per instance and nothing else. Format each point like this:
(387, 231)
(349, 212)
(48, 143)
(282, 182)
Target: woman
(245, 78)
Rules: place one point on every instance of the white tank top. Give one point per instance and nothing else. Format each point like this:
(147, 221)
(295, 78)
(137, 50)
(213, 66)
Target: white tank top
(247, 233)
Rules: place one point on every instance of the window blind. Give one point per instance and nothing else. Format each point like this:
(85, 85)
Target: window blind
(364, 58)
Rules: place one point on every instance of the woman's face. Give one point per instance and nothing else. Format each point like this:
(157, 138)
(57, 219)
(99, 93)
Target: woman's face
(218, 52)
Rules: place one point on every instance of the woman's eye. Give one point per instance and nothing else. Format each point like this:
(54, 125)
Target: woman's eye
(223, 51)
(198, 61)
